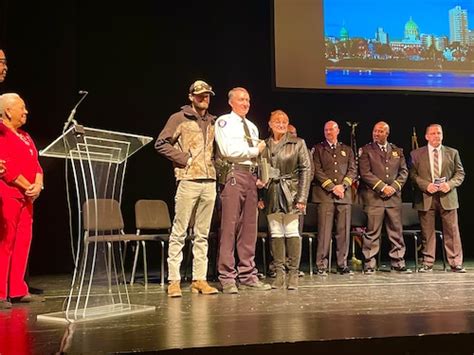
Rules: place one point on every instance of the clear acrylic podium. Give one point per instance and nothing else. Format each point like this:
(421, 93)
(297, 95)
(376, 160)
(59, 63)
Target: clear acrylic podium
(98, 160)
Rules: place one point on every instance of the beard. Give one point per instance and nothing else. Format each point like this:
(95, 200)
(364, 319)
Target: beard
(201, 105)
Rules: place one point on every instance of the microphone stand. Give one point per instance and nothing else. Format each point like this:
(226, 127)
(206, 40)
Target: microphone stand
(355, 262)
(71, 119)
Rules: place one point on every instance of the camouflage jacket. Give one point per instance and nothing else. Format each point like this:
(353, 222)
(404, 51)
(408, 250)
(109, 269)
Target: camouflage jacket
(187, 135)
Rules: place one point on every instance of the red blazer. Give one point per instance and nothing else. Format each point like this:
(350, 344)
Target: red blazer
(21, 158)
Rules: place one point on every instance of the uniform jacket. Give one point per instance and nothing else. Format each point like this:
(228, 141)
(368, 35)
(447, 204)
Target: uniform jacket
(291, 157)
(333, 168)
(378, 169)
(420, 174)
(187, 135)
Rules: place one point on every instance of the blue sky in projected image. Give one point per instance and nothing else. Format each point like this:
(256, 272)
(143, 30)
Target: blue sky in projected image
(362, 17)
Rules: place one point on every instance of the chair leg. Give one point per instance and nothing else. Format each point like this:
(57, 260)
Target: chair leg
(330, 257)
(145, 265)
(415, 239)
(188, 259)
(379, 255)
(162, 275)
(310, 241)
(264, 257)
(109, 273)
(135, 260)
(443, 250)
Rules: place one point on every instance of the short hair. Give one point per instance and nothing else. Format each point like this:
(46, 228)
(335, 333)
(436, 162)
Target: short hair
(238, 88)
(334, 123)
(278, 114)
(385, 124)
(6, 100)
(433, 125)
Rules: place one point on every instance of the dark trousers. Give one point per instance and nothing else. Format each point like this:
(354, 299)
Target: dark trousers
(392, 216)
(238, 229)
(327, 214)
(452, 238)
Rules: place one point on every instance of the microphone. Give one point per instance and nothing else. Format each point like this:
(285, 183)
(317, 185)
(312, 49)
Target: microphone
(71, 119)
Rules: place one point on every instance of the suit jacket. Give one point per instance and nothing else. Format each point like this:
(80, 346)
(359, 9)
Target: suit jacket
(333, 168)
(378, 169)
(420, 174)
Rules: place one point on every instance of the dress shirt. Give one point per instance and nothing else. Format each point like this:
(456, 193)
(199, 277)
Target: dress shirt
(440, 159)
(231, 140)
(384, 146)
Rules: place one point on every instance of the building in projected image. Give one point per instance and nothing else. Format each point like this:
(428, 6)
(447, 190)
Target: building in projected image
(381, 36)
(441, 43)
(458, 26)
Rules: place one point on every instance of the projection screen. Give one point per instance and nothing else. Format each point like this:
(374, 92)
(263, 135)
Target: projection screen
(421, 45)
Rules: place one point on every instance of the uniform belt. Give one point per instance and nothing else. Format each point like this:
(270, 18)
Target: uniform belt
(245, 167)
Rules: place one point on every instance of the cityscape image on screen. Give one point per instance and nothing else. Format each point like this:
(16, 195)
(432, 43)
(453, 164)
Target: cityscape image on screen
(399, 43)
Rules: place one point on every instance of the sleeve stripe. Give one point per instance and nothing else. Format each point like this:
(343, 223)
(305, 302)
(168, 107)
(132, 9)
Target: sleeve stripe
(377, 184)
(326, 183)
(399, 186)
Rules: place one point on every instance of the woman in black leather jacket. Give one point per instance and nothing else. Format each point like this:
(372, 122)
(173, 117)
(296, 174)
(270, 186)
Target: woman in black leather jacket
(285, 196)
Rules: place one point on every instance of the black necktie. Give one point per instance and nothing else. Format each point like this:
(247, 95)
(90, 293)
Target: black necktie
(384, 150)
(248, 137)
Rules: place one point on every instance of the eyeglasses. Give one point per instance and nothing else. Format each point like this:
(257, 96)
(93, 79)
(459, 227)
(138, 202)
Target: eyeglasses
(3, 61)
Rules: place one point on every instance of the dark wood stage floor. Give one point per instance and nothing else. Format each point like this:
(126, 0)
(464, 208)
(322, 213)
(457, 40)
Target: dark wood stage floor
(381, 314)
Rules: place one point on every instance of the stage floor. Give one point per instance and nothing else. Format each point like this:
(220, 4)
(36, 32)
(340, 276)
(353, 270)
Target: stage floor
(385, 312)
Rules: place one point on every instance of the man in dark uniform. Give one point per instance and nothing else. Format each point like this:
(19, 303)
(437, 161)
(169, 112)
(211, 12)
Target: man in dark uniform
(335, 169)
(383, 172)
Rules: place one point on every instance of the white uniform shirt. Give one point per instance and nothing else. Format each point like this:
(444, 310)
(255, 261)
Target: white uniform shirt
(231, 140)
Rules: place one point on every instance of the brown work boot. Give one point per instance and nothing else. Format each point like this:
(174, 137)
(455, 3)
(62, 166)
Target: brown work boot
(201, 286)
(174, 290)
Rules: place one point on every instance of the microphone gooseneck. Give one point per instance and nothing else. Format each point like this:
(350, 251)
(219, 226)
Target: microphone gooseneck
(70, 118)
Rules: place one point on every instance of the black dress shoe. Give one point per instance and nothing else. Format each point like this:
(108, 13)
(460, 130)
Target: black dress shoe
(35, 291)
(425, 269)
(458, 268)
(369, 271)
(322, 272)
(345, 270)
(401, 269)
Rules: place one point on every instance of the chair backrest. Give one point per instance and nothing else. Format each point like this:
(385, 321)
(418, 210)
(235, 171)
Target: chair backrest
(102, 215)
(358, 216)
(409, 215)
(311, 218)
(152, 214)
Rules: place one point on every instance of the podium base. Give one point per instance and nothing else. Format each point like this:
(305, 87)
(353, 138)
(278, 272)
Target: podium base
(94, 313)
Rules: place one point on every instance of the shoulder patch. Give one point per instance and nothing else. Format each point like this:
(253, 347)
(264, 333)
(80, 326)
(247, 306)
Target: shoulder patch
(222, 123)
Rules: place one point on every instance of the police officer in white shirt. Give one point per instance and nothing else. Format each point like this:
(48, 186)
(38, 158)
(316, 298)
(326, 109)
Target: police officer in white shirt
(239, 146)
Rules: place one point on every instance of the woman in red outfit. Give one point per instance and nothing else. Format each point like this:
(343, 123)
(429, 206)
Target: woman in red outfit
(20, 185)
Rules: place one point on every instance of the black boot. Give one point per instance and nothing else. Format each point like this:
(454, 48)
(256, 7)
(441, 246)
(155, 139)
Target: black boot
(278, 251)
(293, 245)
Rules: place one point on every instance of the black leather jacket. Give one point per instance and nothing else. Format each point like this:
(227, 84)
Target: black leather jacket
(292, 185)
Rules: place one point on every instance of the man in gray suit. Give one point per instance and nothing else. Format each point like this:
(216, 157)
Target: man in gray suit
(383, 172)
(436, 171)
